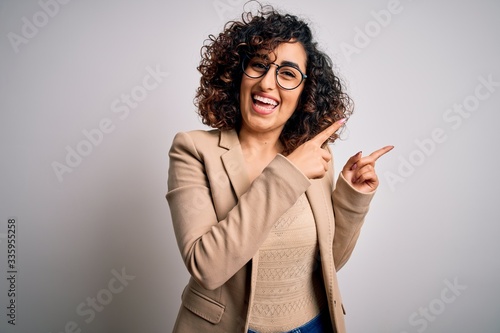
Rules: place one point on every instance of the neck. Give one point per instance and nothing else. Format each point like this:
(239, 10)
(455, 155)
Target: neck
(260, 144)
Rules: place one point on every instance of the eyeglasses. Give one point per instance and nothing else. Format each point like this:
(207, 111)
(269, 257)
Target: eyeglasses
(288, 76)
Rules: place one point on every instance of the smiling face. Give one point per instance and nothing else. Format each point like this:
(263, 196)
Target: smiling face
(265, 106)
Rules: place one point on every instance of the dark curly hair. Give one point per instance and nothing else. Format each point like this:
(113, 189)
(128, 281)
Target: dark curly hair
(322, 101)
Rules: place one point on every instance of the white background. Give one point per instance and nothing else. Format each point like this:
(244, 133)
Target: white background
(433, 223)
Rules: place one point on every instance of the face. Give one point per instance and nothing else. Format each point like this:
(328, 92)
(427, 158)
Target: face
(265, 106)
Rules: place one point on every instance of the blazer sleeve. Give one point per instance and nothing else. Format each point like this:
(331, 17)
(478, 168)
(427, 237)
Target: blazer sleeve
(213, 251)
(350, 208)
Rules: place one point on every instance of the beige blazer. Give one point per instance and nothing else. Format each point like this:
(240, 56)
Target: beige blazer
(220, 220)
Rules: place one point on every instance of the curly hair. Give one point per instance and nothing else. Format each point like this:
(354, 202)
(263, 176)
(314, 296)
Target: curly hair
(322, 101)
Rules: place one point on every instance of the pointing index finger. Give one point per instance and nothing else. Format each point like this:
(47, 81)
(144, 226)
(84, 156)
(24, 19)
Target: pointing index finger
(322, 136)
(382, 151)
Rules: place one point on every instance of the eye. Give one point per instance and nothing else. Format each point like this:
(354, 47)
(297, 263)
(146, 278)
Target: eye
(258, 65)
(288, 73)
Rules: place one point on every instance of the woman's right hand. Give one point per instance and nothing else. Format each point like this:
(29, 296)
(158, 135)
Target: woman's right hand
(310, 157)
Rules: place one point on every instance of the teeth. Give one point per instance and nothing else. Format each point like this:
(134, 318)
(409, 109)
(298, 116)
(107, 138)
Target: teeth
(265, 100)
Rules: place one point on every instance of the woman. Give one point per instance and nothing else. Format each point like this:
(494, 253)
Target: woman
(259, 222)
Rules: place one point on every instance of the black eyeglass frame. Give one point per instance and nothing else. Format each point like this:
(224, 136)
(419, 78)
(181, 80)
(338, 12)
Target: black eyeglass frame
(268, 66)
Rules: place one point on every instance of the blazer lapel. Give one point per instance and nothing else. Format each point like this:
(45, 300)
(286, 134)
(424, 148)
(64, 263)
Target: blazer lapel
(319, 196)
(234, 162)
(319, 199)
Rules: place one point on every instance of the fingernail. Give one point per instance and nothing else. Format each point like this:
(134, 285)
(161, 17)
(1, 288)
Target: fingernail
(354, 166)
(343, 120)
(359, 153)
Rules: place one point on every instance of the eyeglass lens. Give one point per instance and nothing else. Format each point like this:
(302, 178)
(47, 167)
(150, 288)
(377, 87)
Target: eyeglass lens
(287, 77)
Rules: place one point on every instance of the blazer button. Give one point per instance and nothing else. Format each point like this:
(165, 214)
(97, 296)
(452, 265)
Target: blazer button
(335, 303)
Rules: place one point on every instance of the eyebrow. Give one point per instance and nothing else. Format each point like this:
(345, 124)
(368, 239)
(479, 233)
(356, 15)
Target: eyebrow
(283, 63)
(290, 63)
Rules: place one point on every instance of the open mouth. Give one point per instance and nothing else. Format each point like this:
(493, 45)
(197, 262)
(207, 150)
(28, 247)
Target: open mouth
(264, 104)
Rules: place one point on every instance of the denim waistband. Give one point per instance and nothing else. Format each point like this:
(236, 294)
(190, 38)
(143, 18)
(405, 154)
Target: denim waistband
(319, 324)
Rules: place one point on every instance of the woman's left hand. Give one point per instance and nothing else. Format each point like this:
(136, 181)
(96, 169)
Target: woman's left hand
(360, 172)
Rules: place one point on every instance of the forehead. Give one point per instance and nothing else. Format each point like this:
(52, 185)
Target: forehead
(286, 52)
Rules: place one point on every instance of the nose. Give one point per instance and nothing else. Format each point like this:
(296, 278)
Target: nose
(268, 81)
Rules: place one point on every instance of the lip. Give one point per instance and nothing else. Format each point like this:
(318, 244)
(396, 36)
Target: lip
(263, 111)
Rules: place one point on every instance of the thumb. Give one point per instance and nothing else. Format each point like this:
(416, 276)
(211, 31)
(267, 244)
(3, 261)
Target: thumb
(352, 162)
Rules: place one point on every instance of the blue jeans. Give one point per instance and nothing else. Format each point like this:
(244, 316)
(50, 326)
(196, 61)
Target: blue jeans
(319, 324)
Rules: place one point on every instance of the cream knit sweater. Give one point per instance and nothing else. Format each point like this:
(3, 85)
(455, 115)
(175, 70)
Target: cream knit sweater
(289, 290)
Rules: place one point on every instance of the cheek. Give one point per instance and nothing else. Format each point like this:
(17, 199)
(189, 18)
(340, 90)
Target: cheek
(245, 85)
(244, 91)
(293, 98)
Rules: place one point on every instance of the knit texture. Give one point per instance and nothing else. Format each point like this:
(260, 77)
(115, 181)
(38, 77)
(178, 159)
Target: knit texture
(289, 290)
